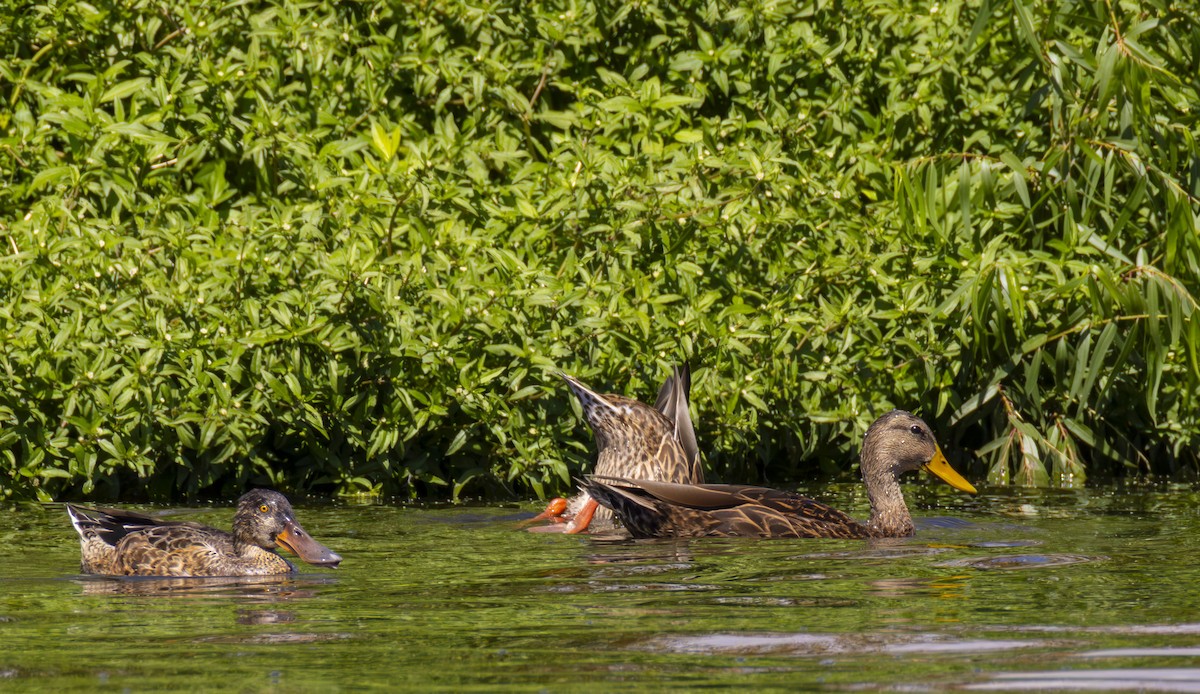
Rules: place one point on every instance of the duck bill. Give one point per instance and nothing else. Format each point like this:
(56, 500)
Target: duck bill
(941, 469)
(581, 391)
(294, 539)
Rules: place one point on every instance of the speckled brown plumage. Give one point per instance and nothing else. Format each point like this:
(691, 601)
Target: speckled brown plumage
(638, 441)
(123, 543)
(896, 443)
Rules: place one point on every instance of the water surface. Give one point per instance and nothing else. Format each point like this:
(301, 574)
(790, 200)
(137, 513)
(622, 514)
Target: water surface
(1006, 591)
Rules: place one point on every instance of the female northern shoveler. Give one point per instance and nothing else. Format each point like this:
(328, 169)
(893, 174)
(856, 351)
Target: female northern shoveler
(122, 543)
(896, 443)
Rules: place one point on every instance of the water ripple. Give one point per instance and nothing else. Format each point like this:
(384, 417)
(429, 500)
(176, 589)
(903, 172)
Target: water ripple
(896, 552)
(1012, 562)
(1140, 679)
(1001, 544)
(807, 644)
(631, 588)
(1171, 651)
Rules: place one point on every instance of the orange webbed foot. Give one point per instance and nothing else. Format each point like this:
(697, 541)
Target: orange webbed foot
(583, 519)
(555, 513)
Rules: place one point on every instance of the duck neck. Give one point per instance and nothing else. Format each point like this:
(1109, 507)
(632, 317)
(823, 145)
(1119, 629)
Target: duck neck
(243, 545)
(889, 513)
(242, 548)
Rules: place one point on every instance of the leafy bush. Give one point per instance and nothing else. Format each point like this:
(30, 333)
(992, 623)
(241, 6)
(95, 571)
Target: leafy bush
(346, 246)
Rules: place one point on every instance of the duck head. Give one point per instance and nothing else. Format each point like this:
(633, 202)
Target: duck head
(900, 441)
(265, 519)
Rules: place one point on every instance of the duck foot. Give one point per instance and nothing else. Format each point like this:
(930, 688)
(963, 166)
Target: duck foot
(582, 519)
(555, 513)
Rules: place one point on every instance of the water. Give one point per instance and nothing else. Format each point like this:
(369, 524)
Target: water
(1007, 591)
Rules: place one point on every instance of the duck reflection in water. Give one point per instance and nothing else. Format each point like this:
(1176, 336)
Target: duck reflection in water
(245, 589)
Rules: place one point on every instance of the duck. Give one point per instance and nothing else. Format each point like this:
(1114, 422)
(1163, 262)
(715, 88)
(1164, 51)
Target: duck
(895, 443)
(124, 543)
(633, 440)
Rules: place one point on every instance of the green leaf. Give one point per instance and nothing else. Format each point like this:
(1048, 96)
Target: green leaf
(621, 104)
(459, 439)
(124, 89)
(1025, 26)
(53, 176)
(386, 144)
(670, 101)
(975, 402)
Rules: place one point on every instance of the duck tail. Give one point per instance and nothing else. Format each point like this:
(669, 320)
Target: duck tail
(84, 524)
(615, 493)
(672, 402)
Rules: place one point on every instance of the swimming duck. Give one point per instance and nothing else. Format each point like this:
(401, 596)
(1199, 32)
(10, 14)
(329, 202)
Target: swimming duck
(634, 440)
(895, 443)
(123, 543)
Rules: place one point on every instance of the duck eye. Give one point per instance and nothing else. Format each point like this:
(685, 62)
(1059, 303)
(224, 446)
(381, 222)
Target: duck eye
(916, 430)
(264, 508)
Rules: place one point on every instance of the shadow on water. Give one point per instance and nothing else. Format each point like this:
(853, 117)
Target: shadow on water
(1010, 591)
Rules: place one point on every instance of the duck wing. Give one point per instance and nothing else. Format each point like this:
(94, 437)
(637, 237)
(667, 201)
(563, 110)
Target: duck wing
(663, 509)
(109, 526)
(179, 549)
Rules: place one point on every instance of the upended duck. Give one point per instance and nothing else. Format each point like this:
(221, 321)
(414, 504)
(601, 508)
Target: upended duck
(633, 440)
(123, 543)
(894, 444)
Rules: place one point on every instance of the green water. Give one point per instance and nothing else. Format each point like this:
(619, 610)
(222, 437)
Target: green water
(1007, 590)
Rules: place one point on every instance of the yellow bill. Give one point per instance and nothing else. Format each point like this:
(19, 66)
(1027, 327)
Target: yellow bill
(941, 469)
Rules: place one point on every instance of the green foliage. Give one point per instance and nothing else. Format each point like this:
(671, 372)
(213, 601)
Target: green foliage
(1077, 242)
(346, 245)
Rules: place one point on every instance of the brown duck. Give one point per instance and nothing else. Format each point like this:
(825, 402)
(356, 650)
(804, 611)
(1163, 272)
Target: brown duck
(636, 441)
(895, 443)
(123, 543)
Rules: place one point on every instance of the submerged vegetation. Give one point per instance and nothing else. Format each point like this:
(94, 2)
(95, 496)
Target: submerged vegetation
(345, 246)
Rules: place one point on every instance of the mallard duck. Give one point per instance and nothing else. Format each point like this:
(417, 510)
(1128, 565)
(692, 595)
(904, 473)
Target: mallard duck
(635, 440)
(895, 443)
(123, 543)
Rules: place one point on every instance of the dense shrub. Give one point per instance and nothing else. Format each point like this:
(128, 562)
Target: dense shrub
(346, 246)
